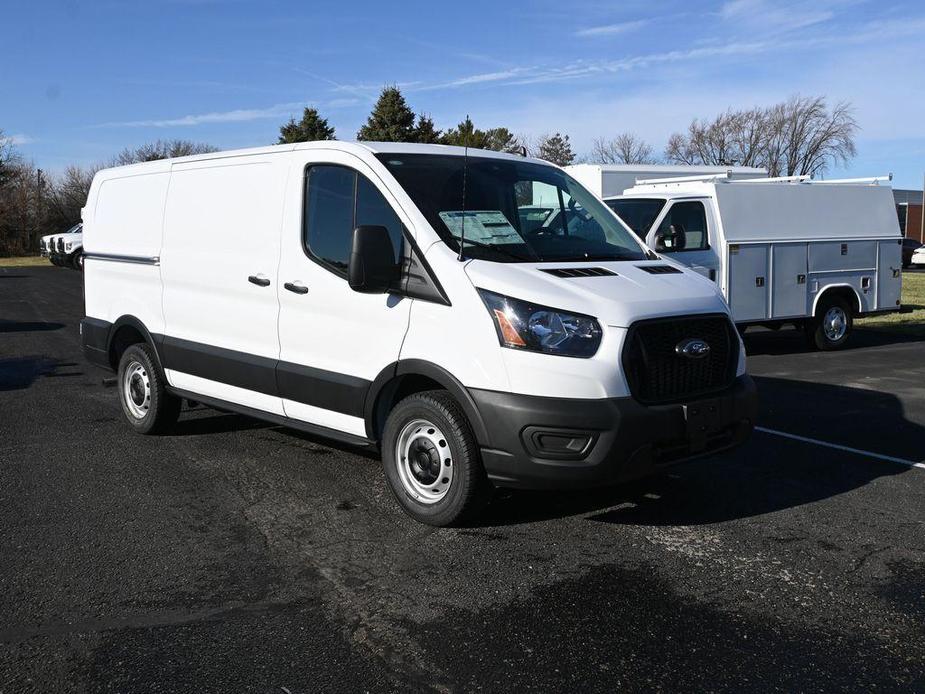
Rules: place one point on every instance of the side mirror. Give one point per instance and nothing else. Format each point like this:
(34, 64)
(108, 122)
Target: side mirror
(372, 268)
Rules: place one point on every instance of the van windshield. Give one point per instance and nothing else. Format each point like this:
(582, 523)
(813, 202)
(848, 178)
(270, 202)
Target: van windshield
(514, 211)
(638, 213)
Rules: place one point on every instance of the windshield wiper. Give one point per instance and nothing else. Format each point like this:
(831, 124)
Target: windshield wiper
(494, 247)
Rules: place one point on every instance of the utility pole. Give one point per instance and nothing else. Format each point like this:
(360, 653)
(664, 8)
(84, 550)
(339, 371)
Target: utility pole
(36, 231)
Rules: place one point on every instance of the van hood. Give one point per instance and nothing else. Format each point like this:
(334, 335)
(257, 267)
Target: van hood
(618, 300)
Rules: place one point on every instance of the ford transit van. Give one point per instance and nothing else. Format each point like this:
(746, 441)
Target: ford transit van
(480, 319)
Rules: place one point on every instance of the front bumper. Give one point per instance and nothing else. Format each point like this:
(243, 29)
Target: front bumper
(537, 442)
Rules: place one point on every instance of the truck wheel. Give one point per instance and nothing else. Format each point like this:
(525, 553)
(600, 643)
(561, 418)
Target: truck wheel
(77, 261)
(147, 405)
(830, 327)
(431, 460)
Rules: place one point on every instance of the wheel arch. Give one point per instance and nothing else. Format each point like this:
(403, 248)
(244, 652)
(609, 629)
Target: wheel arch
(841, 289)
(409, 376)
(126, 331)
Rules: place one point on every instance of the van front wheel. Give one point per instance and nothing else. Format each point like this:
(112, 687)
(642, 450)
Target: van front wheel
(831, 326)
(431, 460)
(147, 405)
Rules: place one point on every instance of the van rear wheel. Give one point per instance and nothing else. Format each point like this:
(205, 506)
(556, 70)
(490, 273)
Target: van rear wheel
(431, 460)
(830, 328)
(147, 405)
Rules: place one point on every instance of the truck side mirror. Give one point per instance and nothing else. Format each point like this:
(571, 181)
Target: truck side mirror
(372, 268)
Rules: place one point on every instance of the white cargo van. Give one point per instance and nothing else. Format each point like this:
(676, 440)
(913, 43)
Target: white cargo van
(814, 254)
(479, 318)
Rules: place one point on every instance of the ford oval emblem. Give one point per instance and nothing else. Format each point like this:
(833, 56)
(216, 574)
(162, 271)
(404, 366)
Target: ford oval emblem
(692, 348)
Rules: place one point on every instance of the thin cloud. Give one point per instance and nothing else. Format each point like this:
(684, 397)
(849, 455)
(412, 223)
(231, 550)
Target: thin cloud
(778, 15)
(613, 29)
(18, 139)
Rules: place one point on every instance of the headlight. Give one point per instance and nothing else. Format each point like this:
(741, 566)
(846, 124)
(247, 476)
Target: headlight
(523, 325)
(67, 246)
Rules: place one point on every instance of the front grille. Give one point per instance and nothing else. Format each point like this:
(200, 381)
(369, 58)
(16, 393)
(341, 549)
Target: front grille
(658, 373)
(579, 272)
(60, 245)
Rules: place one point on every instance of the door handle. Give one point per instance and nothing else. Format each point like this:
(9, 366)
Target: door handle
(259, 280)
(296, 287)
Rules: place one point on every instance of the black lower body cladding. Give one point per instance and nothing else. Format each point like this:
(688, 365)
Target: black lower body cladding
(539, 442)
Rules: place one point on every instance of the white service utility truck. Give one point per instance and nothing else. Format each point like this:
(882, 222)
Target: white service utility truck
(789, 250)
(479, 318)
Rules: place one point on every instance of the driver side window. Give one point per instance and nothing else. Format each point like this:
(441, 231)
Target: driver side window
(684, 228)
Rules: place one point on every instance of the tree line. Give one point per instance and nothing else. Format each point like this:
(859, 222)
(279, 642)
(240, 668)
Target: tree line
(393, 120)
(801, 135)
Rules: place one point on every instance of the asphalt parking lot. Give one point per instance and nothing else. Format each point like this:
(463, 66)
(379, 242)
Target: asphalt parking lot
(238, 556)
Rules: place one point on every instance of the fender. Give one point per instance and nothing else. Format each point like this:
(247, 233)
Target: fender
(133, 322)
(419, 367)
(823, 290)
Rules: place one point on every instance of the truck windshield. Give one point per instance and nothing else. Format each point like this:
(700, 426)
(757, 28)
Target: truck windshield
(514, 211)
(638, 213)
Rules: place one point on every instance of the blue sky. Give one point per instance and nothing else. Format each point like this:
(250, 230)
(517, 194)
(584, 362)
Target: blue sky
(82, 80)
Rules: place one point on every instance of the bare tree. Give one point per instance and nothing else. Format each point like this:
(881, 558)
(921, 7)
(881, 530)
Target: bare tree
(68, 195)
(161, 149)
(625, 148)
(807, 138)
(798, 136)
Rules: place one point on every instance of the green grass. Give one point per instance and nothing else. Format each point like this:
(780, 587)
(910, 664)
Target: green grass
(906, 323)
(25, 261)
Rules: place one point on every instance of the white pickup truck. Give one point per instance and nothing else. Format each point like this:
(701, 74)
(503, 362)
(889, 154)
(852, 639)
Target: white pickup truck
(813, 254)
(65, 250)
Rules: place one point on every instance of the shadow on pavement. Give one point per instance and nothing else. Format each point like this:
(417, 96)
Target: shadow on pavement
(760, 341)
(20, 372)
(768, 474)
(215, 423)
(13, 326)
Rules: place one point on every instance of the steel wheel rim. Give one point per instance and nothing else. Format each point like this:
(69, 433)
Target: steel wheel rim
(424, 461)
(835, 323)
(136, 389)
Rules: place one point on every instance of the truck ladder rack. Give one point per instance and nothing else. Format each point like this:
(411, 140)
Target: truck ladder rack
(683, 179)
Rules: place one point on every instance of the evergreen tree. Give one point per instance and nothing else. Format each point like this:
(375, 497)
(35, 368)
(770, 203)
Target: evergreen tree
(391, 120)
(425, 132)
(556, 149)
(502, 140)
(312, 127)
(465, 135)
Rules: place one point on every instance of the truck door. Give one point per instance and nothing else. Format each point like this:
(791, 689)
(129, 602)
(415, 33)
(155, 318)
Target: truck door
(685, 234)
(333, 341)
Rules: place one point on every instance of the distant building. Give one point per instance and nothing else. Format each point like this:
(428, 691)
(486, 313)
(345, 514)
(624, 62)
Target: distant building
(909, 210)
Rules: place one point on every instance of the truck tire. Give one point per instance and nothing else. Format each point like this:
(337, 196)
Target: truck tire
(431, 460)
(147, 405)
(830, 328)
(77, 261)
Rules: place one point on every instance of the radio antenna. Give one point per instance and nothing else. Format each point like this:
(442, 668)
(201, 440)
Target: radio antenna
(462, 231)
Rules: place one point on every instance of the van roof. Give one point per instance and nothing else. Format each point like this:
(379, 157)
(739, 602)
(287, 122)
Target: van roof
(340, 145)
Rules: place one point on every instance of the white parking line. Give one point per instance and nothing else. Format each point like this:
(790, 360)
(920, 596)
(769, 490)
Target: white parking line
(869, 454)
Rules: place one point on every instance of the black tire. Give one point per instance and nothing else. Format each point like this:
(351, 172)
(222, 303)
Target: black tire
(76, 261)
(816, 333)
(468, 488)
(147, 405)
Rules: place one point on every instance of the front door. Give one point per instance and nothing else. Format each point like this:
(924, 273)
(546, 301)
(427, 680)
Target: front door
(334, 341)
(684, 234)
